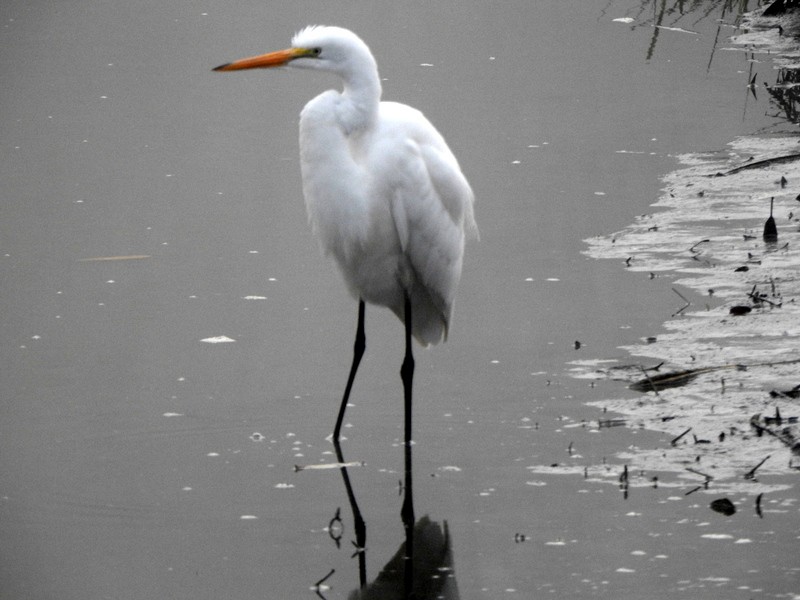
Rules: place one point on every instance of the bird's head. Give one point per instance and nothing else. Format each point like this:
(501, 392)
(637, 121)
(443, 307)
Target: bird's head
(322, 48)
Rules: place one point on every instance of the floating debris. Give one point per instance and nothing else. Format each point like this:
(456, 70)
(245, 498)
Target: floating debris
(787, 435)
(723, 506)
(111, 258)
(610, 423)
(792, 393)
(220, 339)
(676, 29)
(766, 162)
(323, 466)
(752, 472)
(675, 379)
(319, 585)
(665, 380)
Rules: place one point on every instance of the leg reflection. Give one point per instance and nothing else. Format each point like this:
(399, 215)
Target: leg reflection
(434, 577)
(358, 521)
(422, 568)
(407, 512)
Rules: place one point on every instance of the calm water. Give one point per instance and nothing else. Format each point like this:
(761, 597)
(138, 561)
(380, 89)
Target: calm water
(137, 461)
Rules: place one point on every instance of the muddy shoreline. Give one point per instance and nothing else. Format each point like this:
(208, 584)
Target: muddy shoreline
(723, 382)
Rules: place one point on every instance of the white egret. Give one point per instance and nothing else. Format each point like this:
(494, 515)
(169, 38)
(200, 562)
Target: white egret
(384, 194)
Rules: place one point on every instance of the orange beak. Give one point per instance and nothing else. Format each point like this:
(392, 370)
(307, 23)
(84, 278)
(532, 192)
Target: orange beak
(266, 61)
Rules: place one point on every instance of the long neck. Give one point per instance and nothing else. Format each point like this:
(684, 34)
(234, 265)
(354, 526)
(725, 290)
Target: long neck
(333, 127)
(332, 178)
(358, 109)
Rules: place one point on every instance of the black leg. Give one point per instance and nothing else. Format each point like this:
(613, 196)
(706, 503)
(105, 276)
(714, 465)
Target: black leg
(407, 513)
(358, 351)
(407, 372)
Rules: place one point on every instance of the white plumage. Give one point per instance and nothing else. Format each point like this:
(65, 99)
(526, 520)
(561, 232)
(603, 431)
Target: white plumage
(384, 193)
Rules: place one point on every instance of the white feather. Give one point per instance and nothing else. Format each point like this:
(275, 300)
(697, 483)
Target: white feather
(384, 193)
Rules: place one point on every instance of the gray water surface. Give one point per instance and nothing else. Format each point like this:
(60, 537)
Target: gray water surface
(138, 461)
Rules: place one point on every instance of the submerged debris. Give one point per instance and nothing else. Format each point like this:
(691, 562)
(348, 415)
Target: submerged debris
(792, 393)
(666, 380)
(675, 378)
(789, 436)
(758, 164)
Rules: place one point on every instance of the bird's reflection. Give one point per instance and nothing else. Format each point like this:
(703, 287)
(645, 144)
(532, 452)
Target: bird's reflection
(433, 572)
(426, 548)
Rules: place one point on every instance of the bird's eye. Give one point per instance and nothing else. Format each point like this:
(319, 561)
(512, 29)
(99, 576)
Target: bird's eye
(316, 51)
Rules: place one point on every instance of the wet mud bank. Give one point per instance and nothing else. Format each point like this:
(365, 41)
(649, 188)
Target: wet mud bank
(723, 381)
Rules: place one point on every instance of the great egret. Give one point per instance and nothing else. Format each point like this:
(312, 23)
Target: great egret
(384, 194)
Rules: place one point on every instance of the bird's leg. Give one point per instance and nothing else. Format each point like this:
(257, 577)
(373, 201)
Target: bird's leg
(358, 351)
(407, 371)
(407, 512)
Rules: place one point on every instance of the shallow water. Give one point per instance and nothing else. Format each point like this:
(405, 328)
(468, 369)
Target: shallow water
(137, 460)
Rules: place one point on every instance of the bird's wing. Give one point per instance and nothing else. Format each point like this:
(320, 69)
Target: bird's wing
(431, 204)
(451, 186)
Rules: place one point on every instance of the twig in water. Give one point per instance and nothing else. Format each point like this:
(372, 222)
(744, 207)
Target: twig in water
(696, 472)
(316, 587)
(752, 472)
(684, 307)
(358, 549)
(650, 381)
(759, 163)
(759, 298)
(675, 440)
